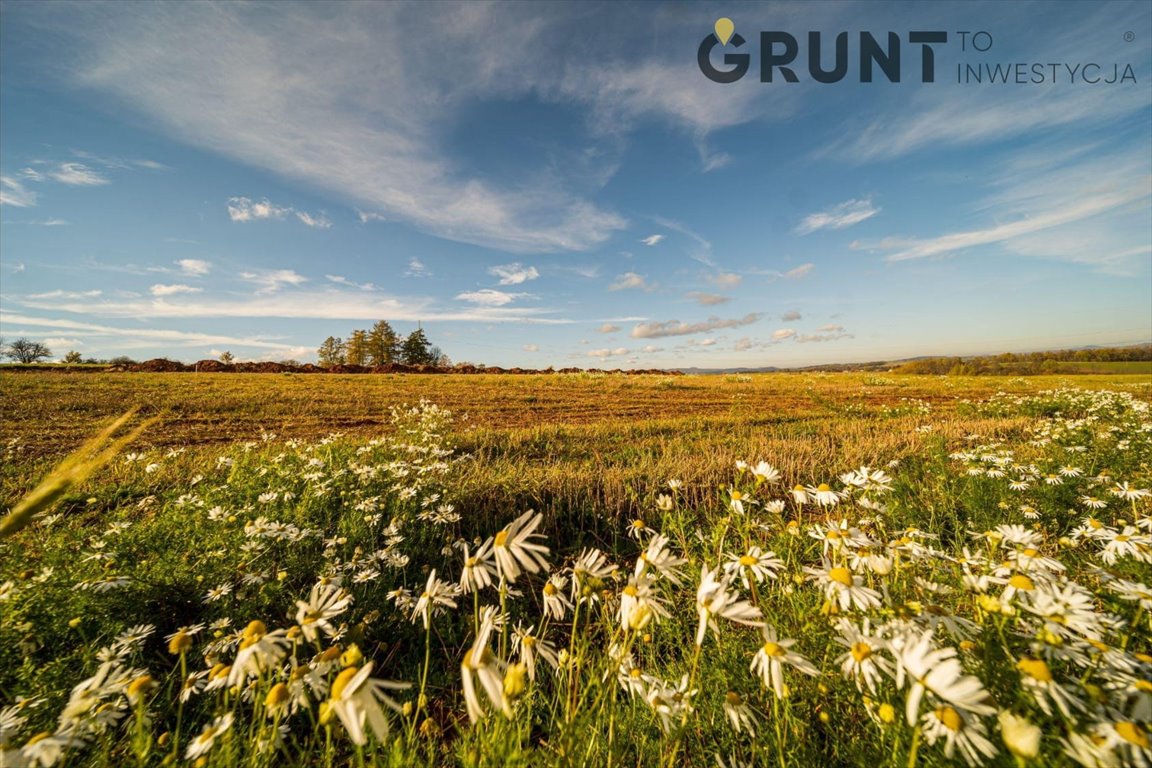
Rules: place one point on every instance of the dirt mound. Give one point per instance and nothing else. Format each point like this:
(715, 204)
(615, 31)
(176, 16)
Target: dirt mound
(160, 365)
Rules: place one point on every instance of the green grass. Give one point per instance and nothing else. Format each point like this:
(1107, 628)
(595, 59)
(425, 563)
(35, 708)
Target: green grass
(261, 521)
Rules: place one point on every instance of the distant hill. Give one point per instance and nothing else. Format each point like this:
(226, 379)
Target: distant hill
(1136, 358)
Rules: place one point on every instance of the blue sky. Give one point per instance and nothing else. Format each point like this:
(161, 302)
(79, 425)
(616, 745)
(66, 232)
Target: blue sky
(550, 184)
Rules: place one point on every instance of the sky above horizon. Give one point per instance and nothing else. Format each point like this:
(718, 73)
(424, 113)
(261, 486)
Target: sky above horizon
(559, 184)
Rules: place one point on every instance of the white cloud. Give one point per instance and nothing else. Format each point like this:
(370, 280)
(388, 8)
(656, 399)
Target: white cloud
(531, 348)
(142, 337)
(708, 299)
(194, 267)
(819, 337)
(60, 294)
(618, 352)
(272, 280)
(628, 280)
(513, 274)
(831, 328)
(790, 316)
(59, 343)
(677, 328)
(725, 280)
(173, 289)
(651, 348)
(608, 328)
(838, 217)
(51, 223)
(783, 333)
(77, 175)
(797, 273)
(416, 268)
(318, 221)
(12, 192)
(652, 239)
(489, 297)
(242, 209)
(369, 125)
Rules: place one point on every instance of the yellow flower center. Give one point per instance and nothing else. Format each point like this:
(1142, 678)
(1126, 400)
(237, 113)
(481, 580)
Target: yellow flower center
(841, 575)
(1143, 685)
(737, 496)
(1133, 734)
(823, 488)
(748, 561)
(887, 713)
(38, 737)
(1121, 538)
(550, 589)
(1030, 552)
(772, 649)
(1035, 669)
(861, 651)
(951, 718)
(638, 525)
(514, 680)
(798, 488)
(1021, 582)
(277, 696)
(342, 680)
(502, 538)
(179, 643)
(139, 686)
(634, 673)
(631, 591)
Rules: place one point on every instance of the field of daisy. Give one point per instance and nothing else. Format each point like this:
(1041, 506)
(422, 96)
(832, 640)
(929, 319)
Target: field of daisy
(564, 571)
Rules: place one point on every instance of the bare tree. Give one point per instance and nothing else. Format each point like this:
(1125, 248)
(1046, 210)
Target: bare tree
(27, 351)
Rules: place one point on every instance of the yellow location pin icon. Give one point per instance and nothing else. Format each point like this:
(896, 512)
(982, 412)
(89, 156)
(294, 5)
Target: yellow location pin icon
(724, 29)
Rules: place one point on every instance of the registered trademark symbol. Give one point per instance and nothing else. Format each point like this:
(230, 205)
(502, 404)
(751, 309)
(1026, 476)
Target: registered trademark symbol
(1129, 36)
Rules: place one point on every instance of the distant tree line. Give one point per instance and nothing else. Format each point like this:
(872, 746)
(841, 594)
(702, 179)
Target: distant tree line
(380, 345)
(1024, 364)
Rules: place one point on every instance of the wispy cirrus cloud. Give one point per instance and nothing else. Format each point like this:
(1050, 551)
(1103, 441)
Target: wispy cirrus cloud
(1093, 209)
(14, 193)
(677, 328)
(652, 240)
(838, 216)
(76, 175)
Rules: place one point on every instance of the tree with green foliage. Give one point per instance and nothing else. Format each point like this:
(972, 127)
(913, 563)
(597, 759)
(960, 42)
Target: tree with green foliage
(331, 352)
(383, 344)
(227, 357)
(417, 350)
(72, 358)
(356, 350)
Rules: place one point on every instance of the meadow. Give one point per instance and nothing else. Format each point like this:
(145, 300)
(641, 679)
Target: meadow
(778, 569)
